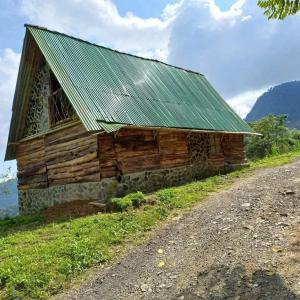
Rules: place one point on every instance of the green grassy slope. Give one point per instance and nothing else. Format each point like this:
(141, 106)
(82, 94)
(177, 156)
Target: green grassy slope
(38, 259)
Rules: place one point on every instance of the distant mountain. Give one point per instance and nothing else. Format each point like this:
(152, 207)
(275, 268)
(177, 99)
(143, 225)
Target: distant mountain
(281, 99)
(9, 198)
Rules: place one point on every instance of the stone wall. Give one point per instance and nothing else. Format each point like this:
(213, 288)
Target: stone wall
(33, 200)
(199, 146)
(37, 113)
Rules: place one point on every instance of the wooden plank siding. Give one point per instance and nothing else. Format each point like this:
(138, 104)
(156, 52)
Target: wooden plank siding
(136, 150)
(127, 152)
(173, 149)
(107, 156)
(65, 156)
(216, 155)
(139, 150)
(73, 155)
(32, 172)
(233, 149)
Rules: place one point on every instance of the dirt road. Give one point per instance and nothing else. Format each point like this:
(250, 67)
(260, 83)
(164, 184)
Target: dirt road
(243, 243)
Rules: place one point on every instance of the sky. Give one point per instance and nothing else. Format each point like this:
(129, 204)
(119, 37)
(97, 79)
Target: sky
(229, 41)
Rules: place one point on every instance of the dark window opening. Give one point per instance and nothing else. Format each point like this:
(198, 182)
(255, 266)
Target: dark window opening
(54, 84)
(60, 108)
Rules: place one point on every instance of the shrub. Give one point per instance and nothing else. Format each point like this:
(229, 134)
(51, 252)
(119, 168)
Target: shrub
(166, 195)
(129, 201)
(137, 199)
(121, 204)
(162, 212)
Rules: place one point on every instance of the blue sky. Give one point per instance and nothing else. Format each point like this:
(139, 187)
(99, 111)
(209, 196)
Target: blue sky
(12, 20)
(153, 8)
(231, 42)
(11, 25)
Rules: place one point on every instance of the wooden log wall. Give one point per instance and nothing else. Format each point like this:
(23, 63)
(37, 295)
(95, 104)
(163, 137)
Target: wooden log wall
(136, 150)
(73, 155)
(128, 152)
(216, 156)
(66, 156)
(141, 150)
(107, 156)
(31, 164)
(233, 149)
(173, 149)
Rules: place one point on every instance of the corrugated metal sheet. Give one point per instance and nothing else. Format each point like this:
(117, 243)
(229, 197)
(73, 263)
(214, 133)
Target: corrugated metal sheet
(106, 86)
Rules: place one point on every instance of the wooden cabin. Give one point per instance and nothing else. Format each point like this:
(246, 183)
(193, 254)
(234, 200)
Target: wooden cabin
(90, 123)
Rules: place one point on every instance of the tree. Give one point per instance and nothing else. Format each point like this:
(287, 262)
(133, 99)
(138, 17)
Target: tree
(276, 137)
(279, 9)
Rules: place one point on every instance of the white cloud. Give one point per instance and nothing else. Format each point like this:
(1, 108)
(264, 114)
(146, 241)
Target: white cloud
(171, 10)
(9, 61)
(238, 50)
(243, 102)
(99, 21)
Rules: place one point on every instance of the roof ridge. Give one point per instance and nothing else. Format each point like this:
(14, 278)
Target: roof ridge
(117, 51)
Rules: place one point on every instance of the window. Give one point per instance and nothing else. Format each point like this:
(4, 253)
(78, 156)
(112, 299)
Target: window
(54, 84)
(60, 107)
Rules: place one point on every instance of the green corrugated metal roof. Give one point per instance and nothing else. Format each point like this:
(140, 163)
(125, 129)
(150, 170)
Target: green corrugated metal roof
(110, 89)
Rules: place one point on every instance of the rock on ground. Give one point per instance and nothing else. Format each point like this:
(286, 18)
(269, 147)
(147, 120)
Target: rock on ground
(242, 243)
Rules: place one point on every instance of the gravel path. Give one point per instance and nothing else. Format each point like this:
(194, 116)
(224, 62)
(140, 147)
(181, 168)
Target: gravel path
(243, 243)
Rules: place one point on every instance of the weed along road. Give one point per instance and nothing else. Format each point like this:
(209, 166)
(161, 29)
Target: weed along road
(242, 243)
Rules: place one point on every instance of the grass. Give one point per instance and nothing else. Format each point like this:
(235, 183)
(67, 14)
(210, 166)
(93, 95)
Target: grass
(39, 259)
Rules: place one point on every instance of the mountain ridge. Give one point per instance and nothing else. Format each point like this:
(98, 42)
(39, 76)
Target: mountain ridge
(280, 99)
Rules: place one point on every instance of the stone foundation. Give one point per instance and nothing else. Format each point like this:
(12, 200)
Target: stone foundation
(33, 200)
